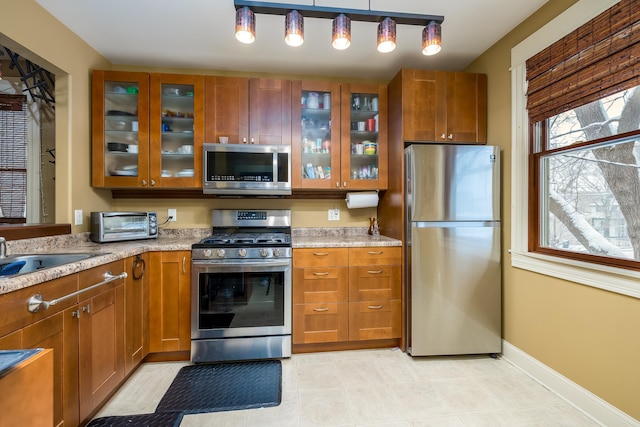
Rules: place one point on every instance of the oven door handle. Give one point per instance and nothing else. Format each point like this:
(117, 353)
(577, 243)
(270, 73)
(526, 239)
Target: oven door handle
(242, 264)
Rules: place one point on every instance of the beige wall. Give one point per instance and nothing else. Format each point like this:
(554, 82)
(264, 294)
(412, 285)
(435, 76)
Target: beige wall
(586, 334)
(60, 51)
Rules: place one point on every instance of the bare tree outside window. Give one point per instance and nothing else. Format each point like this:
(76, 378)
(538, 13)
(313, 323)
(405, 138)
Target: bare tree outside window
(590, 181)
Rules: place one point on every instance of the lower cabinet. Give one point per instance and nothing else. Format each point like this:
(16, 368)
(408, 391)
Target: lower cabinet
(346, 295)
(136, 311)
(100, 338)
(169, 300)
(320, 295)
(87, 338)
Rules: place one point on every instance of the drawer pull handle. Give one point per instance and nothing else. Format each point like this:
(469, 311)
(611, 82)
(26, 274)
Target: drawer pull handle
(321, 253)
(321, 309)
(375, 307)
(375, 252)
(326, 273)
(375, 271)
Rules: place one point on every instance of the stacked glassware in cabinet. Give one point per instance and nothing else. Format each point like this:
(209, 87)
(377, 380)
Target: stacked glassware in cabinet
(177, 130)
(316, 135)
(121, 128)
(364, 136)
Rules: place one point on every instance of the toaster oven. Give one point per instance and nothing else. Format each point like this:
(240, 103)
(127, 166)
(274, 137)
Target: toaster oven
(120, 226)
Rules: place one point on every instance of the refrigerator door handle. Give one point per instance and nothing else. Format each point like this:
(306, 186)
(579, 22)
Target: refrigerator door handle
(453, 224)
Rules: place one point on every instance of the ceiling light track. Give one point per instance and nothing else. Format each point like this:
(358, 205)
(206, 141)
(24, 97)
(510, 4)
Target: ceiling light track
(363, 15)
(341, 28)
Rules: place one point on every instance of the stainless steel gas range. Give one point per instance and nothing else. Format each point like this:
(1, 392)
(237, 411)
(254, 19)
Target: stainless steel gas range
(241, 287)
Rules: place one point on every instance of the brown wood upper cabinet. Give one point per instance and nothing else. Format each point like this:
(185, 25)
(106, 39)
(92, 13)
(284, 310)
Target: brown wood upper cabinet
(329, 149)
(440, 106)
(147, 130)
(248, 110)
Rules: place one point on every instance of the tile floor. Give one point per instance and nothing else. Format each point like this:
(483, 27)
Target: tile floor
(376, 388)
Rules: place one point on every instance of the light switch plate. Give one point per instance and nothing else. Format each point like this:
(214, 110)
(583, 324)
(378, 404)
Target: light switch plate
(334, 214)
(172, 213)
(77, 217)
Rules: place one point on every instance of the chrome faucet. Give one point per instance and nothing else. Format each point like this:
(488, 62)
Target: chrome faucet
(3, 247)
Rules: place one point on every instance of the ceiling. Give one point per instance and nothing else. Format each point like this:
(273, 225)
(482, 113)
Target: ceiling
(199, 34)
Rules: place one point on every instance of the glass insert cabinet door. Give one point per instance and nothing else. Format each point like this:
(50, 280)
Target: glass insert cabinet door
(316, 144)
(364, 149)
(176, 130)
(120, 128)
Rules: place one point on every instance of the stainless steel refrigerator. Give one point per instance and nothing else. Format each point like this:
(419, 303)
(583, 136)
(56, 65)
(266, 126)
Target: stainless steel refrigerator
(453, 273)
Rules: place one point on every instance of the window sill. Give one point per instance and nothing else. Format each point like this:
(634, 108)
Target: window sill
(618, 280)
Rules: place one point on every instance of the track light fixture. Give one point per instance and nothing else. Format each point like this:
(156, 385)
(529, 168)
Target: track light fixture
(431, 39)
(341, 32)
(341, 26)
(294, 29)
(245, 25)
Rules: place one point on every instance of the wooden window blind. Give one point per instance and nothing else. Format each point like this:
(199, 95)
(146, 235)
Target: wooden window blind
(13, 157)
(598, 59)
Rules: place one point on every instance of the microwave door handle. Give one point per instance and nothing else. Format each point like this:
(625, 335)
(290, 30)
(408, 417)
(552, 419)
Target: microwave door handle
(116, 214)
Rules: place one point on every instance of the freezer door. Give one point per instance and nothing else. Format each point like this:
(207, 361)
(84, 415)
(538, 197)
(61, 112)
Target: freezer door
(455, 289)
(452, 183)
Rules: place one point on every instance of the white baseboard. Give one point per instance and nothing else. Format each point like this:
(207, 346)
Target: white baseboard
(587, 402)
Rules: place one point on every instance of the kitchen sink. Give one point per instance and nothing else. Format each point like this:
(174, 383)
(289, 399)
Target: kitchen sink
(22, 264)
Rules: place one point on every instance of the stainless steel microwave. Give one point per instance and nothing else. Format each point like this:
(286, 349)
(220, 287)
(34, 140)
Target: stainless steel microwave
(246, 169)
(119, 226)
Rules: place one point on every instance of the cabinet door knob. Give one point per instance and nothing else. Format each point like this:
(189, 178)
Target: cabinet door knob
(451, 136)
(344, 184)
(337, 184)
(87, 308)
(153, 182)
(443, 136)
(144, 182)
(184, 265)
(253, 141)
(75, 313)
(244, 140)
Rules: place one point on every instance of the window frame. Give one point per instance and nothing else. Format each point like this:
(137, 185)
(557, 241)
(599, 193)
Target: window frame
(613, 279)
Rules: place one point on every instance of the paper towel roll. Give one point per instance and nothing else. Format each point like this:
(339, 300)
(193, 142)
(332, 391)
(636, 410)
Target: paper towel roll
(366, 199)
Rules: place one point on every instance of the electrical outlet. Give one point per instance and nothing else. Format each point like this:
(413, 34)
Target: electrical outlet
(172, 213)
(78, 217)
(334, 214)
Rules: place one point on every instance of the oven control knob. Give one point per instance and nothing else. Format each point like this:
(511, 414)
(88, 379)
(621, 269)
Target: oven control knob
(264, 252)
(276, 252)
(242, 252)
(207, 253)
(220, 253)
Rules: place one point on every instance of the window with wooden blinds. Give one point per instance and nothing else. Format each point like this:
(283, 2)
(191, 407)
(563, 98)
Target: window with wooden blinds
(598, 59)
(13, 158)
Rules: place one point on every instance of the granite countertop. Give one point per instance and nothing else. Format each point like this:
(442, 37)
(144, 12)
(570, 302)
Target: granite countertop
(338, 238)
(169, 240)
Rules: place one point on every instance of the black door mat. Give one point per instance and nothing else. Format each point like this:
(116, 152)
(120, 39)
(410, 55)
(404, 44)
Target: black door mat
(224, 387)
(158, 419)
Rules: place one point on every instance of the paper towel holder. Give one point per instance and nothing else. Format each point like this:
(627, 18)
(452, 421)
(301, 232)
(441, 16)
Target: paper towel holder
(362, 199)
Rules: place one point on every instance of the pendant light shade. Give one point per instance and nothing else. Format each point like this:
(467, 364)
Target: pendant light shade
(341, 33)
(386, 35)
(294, 28)
(245, 25)
(431, 38)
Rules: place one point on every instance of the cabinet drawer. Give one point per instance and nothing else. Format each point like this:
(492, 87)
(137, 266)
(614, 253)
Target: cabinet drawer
(13, 306)
(321, 322)
(95, 275)
(375, 256)
(318, 257)
(374, 283)
(327, 284)
(374, 320)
